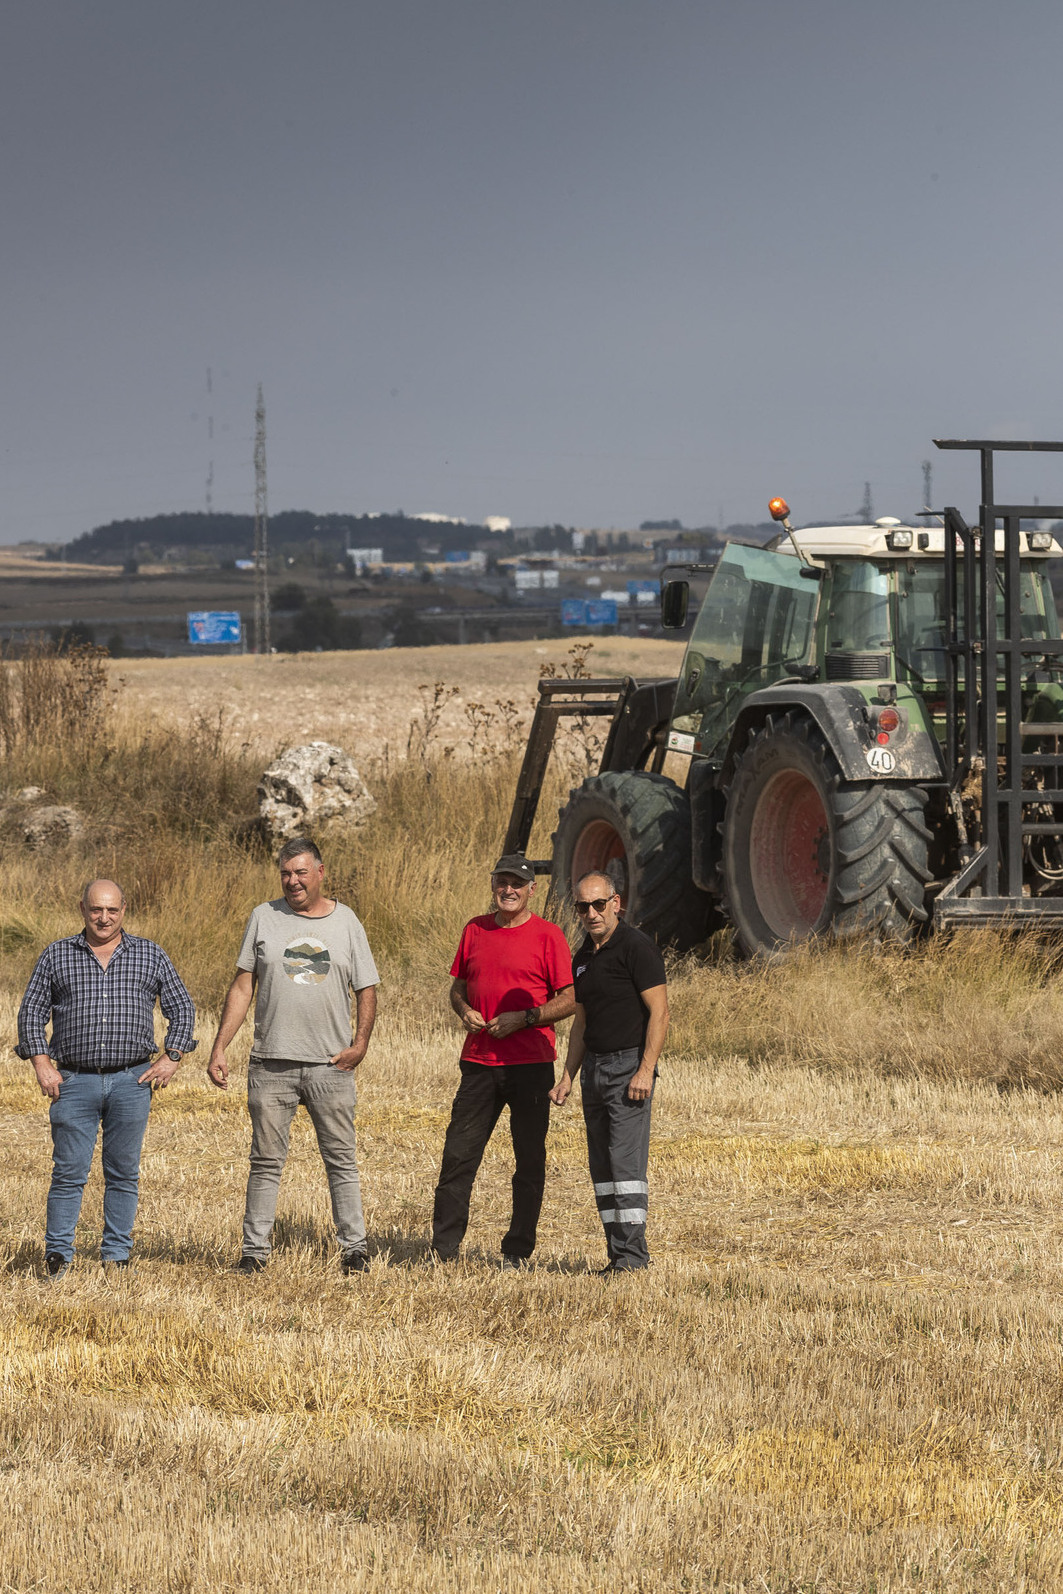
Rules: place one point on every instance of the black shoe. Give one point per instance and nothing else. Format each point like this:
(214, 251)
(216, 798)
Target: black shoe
(515, 1264)
(109, 1262)
(55, 1264)
(354, 1262)
(250, 1264)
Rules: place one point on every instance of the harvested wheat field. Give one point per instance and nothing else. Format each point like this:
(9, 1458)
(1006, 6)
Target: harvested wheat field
(367, 701)
(843, 1371)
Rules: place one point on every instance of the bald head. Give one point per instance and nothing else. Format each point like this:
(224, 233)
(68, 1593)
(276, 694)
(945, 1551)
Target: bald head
(107, 885)
(103, 909)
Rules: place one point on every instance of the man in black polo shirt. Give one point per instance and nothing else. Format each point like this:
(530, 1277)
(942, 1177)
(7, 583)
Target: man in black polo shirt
(618, 1032)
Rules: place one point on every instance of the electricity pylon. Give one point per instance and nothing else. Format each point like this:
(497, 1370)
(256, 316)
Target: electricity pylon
(261, 531)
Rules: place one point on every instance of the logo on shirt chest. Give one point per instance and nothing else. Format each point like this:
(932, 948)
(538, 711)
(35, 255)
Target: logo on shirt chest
(306, 961)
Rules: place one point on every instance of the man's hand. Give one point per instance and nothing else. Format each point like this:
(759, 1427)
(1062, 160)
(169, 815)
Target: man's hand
(347, 1060)
(472, 1020)
(640, 1084)
(48, 1076)
(562, 1090)
(504, 1024)
(218, 1068)
(161, 1072)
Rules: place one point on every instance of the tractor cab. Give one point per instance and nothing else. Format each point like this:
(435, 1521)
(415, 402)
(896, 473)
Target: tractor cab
(859, 604)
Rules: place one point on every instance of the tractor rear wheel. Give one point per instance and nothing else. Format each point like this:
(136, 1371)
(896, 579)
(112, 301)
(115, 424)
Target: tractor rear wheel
(806, 854)
(634, 828)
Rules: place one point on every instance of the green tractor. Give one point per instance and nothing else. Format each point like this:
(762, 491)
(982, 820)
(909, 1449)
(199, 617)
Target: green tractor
(870, 718)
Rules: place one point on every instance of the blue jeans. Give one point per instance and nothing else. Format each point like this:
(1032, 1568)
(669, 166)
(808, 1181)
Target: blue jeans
(121, 1105)
(275, 1090)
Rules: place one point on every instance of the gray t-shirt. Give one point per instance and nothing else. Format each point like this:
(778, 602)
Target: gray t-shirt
(306, 969)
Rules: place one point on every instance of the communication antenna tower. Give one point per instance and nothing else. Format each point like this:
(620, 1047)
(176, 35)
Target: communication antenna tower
(210, 440)
(928, 472)
(867, 513)
(261, 531)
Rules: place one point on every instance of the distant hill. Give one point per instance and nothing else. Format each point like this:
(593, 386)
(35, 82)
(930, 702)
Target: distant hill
(232, 536)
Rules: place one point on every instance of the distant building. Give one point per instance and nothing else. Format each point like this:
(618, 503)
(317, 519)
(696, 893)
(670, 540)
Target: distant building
(361, 557)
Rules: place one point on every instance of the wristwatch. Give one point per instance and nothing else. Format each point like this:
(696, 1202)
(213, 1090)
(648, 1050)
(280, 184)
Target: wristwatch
(531, 1017)
(175, 1057)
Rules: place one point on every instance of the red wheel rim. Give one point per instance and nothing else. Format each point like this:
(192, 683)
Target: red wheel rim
(599, 847)
(789, 855)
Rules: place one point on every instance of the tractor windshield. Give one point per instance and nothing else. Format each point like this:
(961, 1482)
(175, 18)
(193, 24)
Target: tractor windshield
(757, 617)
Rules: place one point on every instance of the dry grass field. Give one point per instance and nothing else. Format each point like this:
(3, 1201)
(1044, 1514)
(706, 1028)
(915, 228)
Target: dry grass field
(843, 1371)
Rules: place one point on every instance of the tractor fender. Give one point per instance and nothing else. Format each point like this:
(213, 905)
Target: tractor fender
(840, 711)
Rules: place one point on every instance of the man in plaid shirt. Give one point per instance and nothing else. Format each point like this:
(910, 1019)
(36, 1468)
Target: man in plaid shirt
(99, 989)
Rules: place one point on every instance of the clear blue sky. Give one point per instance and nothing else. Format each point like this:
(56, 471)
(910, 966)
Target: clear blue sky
(588, 261)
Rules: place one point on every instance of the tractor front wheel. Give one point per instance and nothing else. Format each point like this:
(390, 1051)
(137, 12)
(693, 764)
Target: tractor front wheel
(634, 828)
(807, 854)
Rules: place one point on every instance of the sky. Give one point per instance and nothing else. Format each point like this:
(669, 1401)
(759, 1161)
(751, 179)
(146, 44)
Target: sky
(580, 261)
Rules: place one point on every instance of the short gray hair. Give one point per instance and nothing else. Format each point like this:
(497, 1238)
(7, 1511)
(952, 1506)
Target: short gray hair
(295, 848)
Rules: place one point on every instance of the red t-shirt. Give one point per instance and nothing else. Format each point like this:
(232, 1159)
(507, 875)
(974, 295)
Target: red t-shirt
(507, 968)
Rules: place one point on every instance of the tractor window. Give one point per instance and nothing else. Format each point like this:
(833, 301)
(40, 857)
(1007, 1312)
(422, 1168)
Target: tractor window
(921, 622)
(757, 617)
(859, 617)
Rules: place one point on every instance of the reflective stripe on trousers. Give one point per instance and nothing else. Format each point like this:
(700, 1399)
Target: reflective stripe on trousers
(618, 1146)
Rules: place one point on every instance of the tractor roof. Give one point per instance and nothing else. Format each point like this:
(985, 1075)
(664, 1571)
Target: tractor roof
(891, 539)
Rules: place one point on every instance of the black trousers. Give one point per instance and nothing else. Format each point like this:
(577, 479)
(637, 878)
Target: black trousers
(482, 1094)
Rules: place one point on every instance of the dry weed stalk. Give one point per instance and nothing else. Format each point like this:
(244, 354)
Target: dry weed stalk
(580, 737)
(54, 697)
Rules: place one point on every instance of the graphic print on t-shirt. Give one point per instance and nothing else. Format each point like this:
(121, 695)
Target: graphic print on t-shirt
(306, 961)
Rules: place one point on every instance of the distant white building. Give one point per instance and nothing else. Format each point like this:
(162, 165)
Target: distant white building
(498, 523)
(361, 557)
(441, 520)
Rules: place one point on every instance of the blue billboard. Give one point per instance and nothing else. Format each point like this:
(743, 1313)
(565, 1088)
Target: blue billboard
(573, 611)
(214, 626)
(601, 611)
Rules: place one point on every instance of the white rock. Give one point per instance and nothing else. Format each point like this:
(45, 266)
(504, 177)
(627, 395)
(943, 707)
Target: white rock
(312, 788)
(49, 827)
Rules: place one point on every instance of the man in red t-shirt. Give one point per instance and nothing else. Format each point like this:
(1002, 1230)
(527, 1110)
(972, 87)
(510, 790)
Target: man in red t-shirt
(512, 981)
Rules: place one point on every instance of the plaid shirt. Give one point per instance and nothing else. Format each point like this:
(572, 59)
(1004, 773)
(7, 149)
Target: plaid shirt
(104, 1017)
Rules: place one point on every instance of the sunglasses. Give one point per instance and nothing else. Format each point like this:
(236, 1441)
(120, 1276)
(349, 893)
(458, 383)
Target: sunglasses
(597, 903)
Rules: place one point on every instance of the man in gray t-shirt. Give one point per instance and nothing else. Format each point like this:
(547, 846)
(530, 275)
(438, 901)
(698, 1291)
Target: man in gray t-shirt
(305, 954)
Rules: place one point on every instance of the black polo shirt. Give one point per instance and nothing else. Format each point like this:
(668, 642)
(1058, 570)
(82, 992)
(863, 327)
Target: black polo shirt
(608, 983)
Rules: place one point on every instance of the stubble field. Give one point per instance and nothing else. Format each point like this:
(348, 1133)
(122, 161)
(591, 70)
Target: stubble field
(842, 1372)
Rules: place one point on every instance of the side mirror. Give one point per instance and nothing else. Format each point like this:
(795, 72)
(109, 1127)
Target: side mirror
(675, 596)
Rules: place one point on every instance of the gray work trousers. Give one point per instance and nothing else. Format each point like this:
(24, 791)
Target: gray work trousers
(618, 1149)
(275, 1091)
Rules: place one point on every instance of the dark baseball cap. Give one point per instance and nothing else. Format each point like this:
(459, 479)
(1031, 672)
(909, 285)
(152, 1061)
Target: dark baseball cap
(514, 863)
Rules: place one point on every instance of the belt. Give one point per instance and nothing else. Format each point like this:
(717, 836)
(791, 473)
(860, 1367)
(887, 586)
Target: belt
(103, 1068)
